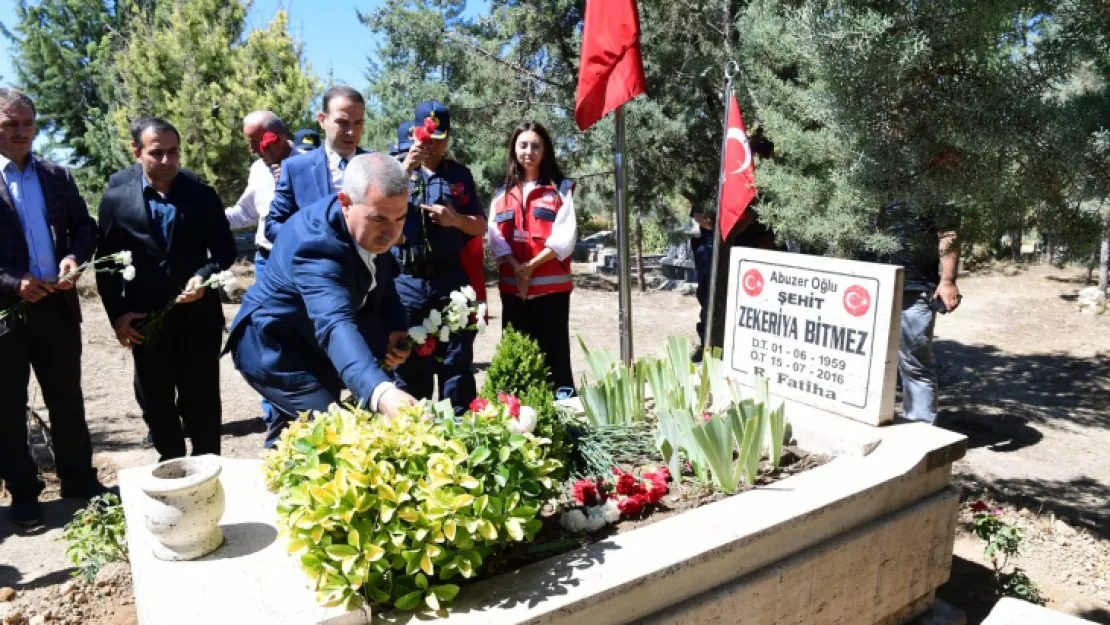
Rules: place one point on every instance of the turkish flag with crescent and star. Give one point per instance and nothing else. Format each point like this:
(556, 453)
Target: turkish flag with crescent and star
(610, 68)
(738, 169)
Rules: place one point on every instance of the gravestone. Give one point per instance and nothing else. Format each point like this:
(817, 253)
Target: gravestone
(825, 331)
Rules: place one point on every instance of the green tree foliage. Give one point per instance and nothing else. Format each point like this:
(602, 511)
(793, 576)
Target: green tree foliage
(189, 63)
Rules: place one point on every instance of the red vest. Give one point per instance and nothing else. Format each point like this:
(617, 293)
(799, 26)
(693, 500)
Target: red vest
(526, 229)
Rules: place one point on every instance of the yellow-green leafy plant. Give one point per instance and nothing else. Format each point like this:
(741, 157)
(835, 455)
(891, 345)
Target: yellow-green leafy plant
(385, 510)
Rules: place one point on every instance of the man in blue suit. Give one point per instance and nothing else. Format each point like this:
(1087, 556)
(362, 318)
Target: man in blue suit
(326, 315)
(307, 178)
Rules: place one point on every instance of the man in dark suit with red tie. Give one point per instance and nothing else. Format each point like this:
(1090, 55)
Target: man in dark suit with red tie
(178, 237)
(45, 234)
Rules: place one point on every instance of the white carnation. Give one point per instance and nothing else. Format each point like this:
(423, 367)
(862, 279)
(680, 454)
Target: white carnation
(418, 334)
(611, 511)
(573, 521)
(444, 334)
(129, 273)
(514, 427)
(595, 518)
(433, 322)
(468, 293)
(527, 419)
(459, 300)
(124, 258)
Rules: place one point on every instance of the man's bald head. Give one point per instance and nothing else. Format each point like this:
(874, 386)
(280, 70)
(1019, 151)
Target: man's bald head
(256, 125)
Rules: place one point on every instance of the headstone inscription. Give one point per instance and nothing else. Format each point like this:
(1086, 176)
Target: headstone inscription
(825, 331)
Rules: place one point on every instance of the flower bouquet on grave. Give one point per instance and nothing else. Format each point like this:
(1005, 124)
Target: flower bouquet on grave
(151, 326)
(462, 312)
(600, 503)
(120, 262)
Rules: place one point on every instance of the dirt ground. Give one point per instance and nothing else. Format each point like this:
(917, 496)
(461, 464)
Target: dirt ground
(1023, 375)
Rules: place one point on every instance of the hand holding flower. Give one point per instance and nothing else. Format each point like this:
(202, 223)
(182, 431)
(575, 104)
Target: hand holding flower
(399, 349)
(68, 272)
(194, 290)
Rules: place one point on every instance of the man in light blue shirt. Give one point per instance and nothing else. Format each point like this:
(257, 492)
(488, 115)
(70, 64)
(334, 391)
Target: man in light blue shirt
(45, 234)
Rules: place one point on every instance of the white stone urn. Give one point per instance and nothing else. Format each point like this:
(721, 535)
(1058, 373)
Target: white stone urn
(183, 505)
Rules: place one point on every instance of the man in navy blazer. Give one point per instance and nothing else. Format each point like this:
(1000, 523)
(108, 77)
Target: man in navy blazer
(326, 315)
(45, 233)
(309, 177)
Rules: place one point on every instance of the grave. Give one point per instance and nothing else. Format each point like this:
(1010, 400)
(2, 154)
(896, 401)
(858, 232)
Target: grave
(862, 540)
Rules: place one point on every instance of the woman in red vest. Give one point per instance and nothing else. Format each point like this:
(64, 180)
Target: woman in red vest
(532, 232)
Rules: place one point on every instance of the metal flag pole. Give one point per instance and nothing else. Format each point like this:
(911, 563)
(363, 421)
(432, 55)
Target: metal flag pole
(731, 68)
(623, 259)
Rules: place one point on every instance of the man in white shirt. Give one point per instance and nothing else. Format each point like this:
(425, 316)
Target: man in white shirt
(269, 139)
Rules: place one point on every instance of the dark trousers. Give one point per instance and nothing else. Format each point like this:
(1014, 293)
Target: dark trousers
(451, 363)
(287, 404)
(177, 379)
(50, 341)
(547, 320)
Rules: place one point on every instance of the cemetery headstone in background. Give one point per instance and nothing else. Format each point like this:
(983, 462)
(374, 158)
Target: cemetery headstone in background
(825, 331)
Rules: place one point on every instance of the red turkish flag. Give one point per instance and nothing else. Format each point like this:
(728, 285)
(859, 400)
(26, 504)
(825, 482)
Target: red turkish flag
(738, 170)
(610, 68)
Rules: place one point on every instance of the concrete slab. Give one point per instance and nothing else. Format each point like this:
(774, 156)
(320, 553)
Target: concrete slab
(1010, 611)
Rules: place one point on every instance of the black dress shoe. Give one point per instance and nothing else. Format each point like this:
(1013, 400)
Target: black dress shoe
(85, 491)
(26, 513)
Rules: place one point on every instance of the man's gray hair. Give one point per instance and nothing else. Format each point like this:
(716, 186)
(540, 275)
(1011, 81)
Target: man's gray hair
(269, 122)
(374, 170)
(9, 97)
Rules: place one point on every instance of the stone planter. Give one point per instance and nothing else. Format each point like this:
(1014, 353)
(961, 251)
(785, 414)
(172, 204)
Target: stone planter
(182, 507)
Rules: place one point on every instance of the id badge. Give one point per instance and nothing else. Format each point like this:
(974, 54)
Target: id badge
(521, 236)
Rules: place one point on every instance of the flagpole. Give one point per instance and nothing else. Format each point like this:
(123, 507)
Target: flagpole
(624, 280)
(730, 69)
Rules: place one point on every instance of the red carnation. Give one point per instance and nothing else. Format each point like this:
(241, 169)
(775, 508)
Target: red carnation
(512, 402)
(478, 404)
(626, 484)
(585, 492)
(663, 474)
(632, 506)
(979, 506)
(268, 139)
(423, 133)
(655, 492)
(427, 348)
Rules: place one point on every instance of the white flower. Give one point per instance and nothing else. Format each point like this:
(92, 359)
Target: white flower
(468, 293)
(431, 324)
(513, 427)
(418, 334)
(595, 518)
(228, 279)
(527, 419)
(129, 273)
(124, 258)
(444, 334)
(611, 511)
(459, 300)
(573, 521)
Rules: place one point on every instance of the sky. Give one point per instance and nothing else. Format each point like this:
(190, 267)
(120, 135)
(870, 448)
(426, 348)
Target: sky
(334, 39)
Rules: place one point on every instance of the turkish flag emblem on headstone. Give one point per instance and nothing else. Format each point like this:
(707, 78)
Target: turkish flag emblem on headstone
(738, 169)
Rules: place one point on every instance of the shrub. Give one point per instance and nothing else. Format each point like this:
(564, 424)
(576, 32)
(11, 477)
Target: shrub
(97, 535)
(518, 366)
(383, 510)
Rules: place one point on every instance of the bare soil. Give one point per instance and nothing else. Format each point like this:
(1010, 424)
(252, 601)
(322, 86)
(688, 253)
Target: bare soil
(1023, 375)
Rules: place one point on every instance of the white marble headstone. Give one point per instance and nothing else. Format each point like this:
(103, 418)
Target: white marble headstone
(825, 331)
